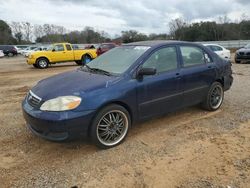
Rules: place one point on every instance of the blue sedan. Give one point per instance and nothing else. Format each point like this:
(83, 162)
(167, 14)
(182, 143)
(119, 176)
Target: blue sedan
(130, 83)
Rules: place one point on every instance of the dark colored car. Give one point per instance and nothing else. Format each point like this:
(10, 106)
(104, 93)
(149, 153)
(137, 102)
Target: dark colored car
(105, 47)
(8, 50)
(127, 84)
(242, 54)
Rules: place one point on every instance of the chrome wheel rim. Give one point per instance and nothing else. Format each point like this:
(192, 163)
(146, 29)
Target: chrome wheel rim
(42, 63)
(112, 127)
(216, 97)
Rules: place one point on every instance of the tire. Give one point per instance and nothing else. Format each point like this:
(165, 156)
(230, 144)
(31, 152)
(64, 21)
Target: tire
(42, 63)
(237, 61)
(35, 65)
(85, 59)
(214, 98)
(78, 62)
(10, 54)
(110, 126)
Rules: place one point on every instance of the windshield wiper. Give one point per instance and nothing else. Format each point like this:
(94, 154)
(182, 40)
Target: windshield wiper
(100, 71)
(96, 70)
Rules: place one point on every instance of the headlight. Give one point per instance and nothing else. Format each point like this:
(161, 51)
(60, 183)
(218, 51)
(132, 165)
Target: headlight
(61, 103)
(31, 56)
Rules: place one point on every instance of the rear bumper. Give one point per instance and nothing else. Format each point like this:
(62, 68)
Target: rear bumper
(228, 81)
(59, 126)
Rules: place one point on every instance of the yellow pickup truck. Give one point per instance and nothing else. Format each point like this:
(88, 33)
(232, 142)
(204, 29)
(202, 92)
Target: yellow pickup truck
(60, 52)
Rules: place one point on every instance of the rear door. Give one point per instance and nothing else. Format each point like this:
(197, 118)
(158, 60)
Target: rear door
(198, 73)
(69, 53)
(160, 93)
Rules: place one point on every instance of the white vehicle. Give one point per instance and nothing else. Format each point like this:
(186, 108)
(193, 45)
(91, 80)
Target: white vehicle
(219, 50)
(27, 50)
(20, 48)
(1, 53)
(41, 48)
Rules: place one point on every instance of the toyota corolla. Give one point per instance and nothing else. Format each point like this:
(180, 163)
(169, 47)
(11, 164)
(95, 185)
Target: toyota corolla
(129, 83)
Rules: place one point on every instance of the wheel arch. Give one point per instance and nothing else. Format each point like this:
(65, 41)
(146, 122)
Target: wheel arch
(44, 57)
(120, 103)
(221, 80)
(88, 55)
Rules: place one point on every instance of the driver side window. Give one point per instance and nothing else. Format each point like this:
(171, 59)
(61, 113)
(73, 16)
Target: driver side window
(163, 60)
(59, 47)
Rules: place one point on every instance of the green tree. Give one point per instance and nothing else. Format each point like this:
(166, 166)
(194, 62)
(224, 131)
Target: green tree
(5, 33)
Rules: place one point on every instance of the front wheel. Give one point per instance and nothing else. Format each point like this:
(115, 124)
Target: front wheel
(214, 97)
(237, 61)
(35, 65)
(42, 63)
(110, 126)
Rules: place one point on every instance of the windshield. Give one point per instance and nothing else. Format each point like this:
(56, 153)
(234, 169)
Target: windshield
(247, 46)
(119, 59)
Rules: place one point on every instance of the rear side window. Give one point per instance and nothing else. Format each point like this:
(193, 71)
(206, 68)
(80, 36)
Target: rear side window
(163, 60)
(68, 47)
(192, 56)
(215, 48)
(59, 47)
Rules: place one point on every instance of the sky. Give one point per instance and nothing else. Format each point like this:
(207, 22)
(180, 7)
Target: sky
(114, 16)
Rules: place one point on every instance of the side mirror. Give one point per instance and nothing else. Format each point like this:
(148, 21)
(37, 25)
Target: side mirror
(146, 72)
(53, 50)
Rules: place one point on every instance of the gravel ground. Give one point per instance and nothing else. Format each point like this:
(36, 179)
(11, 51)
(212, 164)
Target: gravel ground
(189, 148)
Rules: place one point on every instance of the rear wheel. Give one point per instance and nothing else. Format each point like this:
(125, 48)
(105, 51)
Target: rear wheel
(42, 63)
(214, 97)
(85, 59)
(78, 62)
(110, 126)
(10, 54)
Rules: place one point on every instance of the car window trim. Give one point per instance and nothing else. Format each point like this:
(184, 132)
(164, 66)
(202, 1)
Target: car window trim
(190, 45)
(159, 48)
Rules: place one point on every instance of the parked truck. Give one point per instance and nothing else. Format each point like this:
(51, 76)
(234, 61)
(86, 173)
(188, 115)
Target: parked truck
(58, 53)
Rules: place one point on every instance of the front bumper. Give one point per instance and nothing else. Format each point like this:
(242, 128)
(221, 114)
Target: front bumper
(242, 57)
(57, 126)
(30, 61)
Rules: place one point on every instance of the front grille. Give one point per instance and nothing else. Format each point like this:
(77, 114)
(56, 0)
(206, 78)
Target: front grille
(241, 53)
(34, 100)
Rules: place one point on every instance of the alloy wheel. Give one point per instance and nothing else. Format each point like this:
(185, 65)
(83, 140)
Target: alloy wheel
(112, 128)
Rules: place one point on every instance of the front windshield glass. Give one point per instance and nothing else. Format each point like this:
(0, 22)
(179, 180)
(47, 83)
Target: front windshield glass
(247, 46)
(119, 59)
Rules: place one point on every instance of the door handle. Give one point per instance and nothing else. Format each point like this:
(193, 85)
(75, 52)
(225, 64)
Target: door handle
(177, 75)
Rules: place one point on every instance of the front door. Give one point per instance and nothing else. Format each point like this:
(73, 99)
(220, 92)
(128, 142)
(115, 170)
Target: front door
(160, 93)
(59, 53)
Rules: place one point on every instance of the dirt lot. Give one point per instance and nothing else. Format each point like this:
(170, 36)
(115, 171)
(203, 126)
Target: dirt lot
(190, 148)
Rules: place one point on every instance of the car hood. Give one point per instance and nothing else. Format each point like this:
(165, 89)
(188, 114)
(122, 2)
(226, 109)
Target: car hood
(38, 53)
(75, 82)
(244, 50)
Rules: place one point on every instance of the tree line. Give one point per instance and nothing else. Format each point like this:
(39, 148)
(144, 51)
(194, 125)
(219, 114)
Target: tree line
(210, 31)
(179, 29)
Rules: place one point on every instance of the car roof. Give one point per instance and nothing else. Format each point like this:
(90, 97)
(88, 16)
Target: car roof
(211, 44)
(154, 43)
